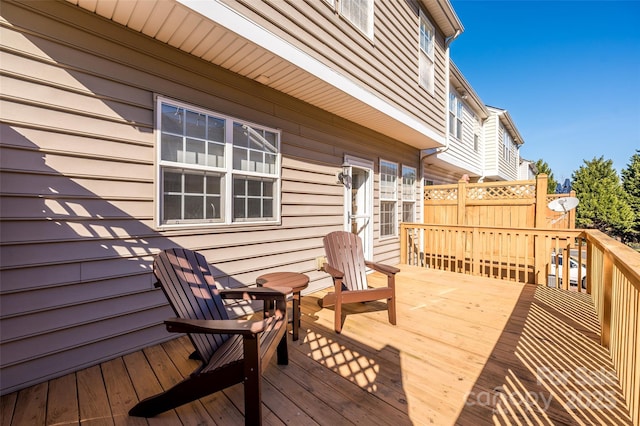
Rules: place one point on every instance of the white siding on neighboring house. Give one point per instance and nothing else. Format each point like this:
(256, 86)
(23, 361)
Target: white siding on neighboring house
(79, 187)
(491, 144)
(509, 158)
(465, 150)
(502, 141)
(526, 170)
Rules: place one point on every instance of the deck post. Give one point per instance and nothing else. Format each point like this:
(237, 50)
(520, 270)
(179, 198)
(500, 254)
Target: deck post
(403, 243)
(462, 199)
(541, 200)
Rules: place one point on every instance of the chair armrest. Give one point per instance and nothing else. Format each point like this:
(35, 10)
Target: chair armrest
(380, 267)
(335, 273)
(255, 293)
(244, 327)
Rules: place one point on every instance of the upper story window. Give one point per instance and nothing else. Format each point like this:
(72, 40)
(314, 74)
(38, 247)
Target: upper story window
(427, 61)
(455, 115)
(507, 142)
(408, 194)
(214, 169)
(388, 198)
(359, 13)
(477, 130)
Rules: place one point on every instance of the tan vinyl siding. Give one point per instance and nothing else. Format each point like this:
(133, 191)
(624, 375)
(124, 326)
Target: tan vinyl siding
(439, 175)
(78, 186)
(387, 66)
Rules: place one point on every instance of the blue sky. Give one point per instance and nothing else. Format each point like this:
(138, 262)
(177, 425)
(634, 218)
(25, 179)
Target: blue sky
(568, 72)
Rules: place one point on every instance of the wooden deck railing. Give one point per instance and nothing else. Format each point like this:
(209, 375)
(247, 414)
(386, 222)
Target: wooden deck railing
(517, 254)
(524, 255)
(613, 273)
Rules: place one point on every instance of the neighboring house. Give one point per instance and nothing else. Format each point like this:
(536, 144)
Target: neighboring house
(482, 141)
(464, 151)
(222, 126)
(527, 170)
(502, 144)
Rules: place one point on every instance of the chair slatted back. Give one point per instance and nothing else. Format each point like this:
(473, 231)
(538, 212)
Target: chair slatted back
(344, 252)
(187, 282)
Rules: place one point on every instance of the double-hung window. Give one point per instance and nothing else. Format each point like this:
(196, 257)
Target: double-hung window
(455, 115)
(388, 198)
(359, 13)
(426, 60)
(477, 129)
(507, 144)
(214, 169)
(408, 194)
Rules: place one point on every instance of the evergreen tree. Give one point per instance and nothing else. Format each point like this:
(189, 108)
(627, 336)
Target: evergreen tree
(631, 185)
(603, 201)
(543, 167)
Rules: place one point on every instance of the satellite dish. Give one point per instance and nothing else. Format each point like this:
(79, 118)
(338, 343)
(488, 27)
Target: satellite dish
(563, 204)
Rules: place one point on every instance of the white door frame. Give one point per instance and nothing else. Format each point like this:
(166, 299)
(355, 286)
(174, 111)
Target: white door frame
(363, 219)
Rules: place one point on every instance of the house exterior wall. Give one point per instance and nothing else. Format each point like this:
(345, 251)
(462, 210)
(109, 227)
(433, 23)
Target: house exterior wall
(507, 165)
(437, 175)
(492, 145)
(387, 65)
(79, 189)
(526, 170)
(497, 167)
(460, 152)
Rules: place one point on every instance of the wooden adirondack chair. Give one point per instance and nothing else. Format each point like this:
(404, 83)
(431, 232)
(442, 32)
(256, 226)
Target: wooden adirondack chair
(348, 268)
(232, 351)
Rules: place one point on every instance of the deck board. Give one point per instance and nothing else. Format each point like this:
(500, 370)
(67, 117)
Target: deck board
(63, 400)
(466, 350)
(92, 398)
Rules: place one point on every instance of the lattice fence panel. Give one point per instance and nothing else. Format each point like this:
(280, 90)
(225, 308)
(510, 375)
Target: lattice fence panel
(443, 193)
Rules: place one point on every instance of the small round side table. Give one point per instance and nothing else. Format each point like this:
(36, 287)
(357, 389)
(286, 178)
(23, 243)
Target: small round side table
(296, 281)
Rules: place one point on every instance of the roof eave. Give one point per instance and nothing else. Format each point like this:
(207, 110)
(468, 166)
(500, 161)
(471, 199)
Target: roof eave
(444, 15)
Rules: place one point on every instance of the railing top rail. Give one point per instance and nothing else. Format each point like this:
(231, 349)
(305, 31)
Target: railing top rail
(624, 257)
(571, 233)
(486, 184)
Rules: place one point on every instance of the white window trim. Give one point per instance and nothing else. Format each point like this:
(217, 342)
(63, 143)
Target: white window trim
(456, 112)
(413, 199)
(368, 31)
(227, 217)
(394, 199)
(507, 144)
(426, 58)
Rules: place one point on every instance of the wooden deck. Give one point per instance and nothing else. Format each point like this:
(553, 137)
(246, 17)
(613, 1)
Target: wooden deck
(466, 350)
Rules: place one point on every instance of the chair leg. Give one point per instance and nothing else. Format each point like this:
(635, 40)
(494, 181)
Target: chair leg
(338, 316)
(252, 381)
(391, 307)
(282, 353)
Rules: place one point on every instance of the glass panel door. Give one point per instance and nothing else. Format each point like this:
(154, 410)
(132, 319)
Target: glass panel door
(359, 202)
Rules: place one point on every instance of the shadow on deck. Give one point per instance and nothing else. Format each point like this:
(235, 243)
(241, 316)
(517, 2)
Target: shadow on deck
(466, 350)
